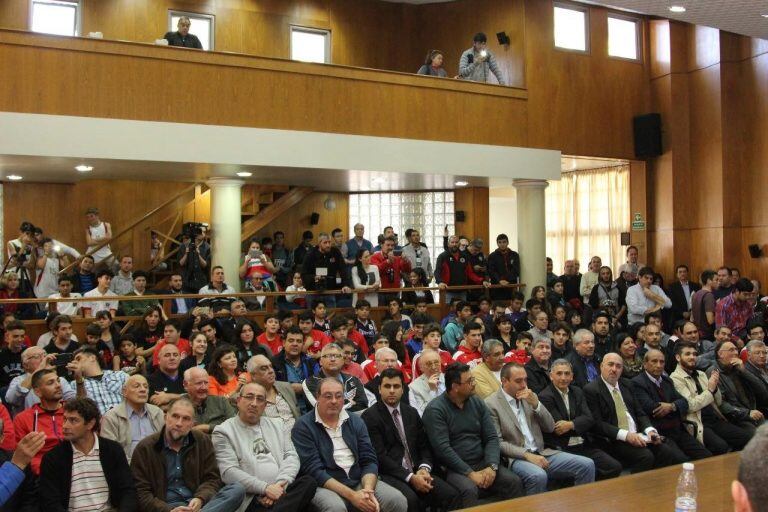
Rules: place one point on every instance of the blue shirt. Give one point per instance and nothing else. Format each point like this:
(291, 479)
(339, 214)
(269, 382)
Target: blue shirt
(141, 426)
(177, 491)
(11, 478)
(87, 282)
(592, 371)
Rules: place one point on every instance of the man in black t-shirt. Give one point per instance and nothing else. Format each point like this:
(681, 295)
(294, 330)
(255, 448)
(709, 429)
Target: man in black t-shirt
(182, 37)
(10, 357)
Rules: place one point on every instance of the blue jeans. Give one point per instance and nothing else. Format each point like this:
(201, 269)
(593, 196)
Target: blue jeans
(227, 499)
(561, 465)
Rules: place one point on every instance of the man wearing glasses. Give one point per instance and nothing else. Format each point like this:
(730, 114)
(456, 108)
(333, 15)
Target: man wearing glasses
(335, 449)
(356, 398)
(255, 451)
(464, 440)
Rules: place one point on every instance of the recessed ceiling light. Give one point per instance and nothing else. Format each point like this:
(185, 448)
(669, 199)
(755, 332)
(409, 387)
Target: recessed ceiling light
(14, 177)
(677, 8)
(461, 183)
(84, 168)
(380, 180)
(764, 15)
(245, 174)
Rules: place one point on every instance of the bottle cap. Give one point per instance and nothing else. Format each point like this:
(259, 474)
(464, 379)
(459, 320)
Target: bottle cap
(688, 466)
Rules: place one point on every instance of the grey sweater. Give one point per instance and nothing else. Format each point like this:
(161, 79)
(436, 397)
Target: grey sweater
(479, 71)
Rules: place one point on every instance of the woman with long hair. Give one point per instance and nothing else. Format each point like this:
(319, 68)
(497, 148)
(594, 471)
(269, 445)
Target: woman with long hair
(246, 344)
(224, 378)
(418, 279)
(625, 345)
(110, 334)
(433, 65)
(200, 356)
(365, 277)
(393, 331)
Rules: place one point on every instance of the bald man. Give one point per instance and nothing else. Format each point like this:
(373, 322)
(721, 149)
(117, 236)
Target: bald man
(165, 383)
(210, 410)
(18, 396)
(749, 491)
(133, 419)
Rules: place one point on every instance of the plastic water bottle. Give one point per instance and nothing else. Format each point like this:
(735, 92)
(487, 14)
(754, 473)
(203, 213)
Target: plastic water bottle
(686, 490)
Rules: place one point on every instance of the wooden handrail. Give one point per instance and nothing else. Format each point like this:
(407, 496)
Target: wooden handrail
(133, 224)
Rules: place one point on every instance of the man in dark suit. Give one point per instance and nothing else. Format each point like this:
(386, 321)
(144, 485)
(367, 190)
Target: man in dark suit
(681, 293)
(176, 287)
(626, 432)
(657, 396)
(584, 362)
(573, 420)
(402, 448)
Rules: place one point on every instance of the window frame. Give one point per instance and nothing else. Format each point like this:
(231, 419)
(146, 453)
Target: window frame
(638, 36)
(78, 14)
(310, 30)
(587, 40)
(192, 17)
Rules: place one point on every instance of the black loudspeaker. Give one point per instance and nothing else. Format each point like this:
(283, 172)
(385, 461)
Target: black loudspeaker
(755, 251)
(647, 130)
(460, 216)
(626, 238)
(503, 38)
(314, 219)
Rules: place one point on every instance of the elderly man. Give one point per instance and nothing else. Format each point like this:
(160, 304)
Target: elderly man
(182, 37)
(749, 490)
(430, 384)
(625, 431)
(645, 297)
(331, 361)
(520, 421)
(133, 419)
(537, 369)
(540, 329)
(584, 362)
(405, 459)
(176, 467)
(384, 358)
(464, 441)
(210, 410)
(756, 360)
(743, 394)
(165, 383)
(256, 452)
(105, 387)
(18, 396)
(488, 373)
(335, 449)
(665, 406)
(281, 400)
(573, 420)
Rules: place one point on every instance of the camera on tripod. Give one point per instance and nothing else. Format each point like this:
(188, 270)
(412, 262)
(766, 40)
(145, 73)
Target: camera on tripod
(192, 229)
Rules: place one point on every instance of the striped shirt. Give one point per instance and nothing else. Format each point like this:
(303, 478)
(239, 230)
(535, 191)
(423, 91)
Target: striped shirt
(89, 490)
(105, 389)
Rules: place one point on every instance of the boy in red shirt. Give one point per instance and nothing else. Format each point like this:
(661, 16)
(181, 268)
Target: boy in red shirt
(469, 349)
(271, 335)
(314, 340)
(433, 335)
(171, 335)
(520, 354)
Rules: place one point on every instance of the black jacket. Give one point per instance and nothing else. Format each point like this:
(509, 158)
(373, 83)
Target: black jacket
(601, 405)
(175, 39)
(504, 266)
(56, 477)
(649, 396)
(386, 439)
(373, 386)
(538, 377)
(580, 369)
(333, 262)
(578, 412)
(677, 296)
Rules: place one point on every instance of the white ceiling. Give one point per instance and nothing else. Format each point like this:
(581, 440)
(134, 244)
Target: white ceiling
(737, 16)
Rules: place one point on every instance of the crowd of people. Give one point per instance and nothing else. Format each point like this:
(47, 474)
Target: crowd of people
(206, 409)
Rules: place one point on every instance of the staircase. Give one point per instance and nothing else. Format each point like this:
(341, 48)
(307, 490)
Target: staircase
(262, 204)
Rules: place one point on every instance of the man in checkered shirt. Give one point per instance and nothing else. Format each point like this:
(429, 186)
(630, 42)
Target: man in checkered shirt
(105, 387)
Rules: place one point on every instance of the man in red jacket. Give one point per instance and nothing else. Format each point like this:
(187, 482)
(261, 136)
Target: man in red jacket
(47, 416)
(392, 269)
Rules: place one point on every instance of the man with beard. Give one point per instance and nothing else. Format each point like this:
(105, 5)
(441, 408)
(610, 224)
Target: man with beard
(608, 295)
(454, 269)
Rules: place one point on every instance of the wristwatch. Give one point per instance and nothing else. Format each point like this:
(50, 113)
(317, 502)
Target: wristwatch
(495, 467)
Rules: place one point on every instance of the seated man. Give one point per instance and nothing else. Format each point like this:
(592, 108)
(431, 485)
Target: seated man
(625, 431)
(281, 400)
(291, 365)
(176, 467)
(743, 394)
(469, 349)
(749, 490)
(657, 396)
(138, 307)
(757, 355)
(334, 448)
(537, 368)
(256, 452)
(464, 441)
(520, 421)
(402, 448)
(704, 404)
(487, 374)
(385, 358)
(133, 419)
(165, 383)
(331, 361)
(584, 362)
(573, 420)
(86, 471)
(430, 384)
(18, 396)
(210, 410)
(105, 387)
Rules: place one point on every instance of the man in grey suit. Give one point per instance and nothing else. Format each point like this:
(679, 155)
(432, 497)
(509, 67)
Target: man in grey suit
(281, 399)
(520, 419)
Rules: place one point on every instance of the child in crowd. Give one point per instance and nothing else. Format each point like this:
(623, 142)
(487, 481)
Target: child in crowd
(314, 340)
(93, 340)
(297, 299)
(395, 312)
(128, 360)
(520, 354)
(432, 335)
(515, 311)
(357, 338)
(414, 338)
(363, 322)
(320, 319)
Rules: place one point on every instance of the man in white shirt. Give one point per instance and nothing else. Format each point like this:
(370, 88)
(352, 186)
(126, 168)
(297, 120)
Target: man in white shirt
(645, 297)
(90, 308)
(430, 384)
(65, 291)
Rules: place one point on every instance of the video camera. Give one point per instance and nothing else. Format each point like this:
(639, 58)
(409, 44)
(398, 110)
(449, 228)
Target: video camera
(192, 229)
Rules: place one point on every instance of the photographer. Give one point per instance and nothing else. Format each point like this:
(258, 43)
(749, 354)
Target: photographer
(21, 258)
(48, 264)
(195, 257)
(256, 262)
(61, 248)
(477, 63)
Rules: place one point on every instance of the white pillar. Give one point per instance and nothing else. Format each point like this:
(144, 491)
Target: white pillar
(226, 227)
(531, 232)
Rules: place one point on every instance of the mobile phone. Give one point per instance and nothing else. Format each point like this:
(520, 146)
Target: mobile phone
(63, 359)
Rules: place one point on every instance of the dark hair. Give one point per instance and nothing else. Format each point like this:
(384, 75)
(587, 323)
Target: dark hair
(601, 314)
(395, 299)
(530, 303)
(392, 373)
(389, 331)
(60, 319)
(214, 367)
(471, 325)
(517, 295)
(431, 328)
(293, 330)
(173, 322)
(317, 302)
(338, 322)
(652, 314)
(420, 319)
(38, 376)
(16, 325)
(706, 276)
(634, 329)
(462, 304)
(680, 345)
(336, 230)
(682, 265)
(744, 285)
(361, 273)
(283, 314)
(524, 335)
(144, 327)
(93, 329)
(562, 326)
(362, 303)
(140, 273)
(427, 62)
(239, 330)
(645, 271)
(306, 316)
(87, 351)
(480, 37)
(26, 227)
(422, 276)
(502, 236)
(85, 408)
(618, 339)
(507, 369)
(453, 373)
(103, 313)
(632, 247)
(104, 272)
(65, 277)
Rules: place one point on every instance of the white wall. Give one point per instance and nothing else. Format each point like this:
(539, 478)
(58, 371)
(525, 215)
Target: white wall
(502, 216)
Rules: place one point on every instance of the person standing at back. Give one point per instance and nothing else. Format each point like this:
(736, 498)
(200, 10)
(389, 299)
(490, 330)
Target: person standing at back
(477, 63)
(98, 233)
(182, 37)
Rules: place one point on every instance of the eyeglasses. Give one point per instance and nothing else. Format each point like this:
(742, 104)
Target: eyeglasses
(431, 363)
(332, 356)
(332, 396)
(470, 380)
(259, 399)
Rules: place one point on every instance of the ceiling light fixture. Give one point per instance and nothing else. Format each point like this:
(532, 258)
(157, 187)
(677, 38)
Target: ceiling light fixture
(84, 168)
(14, 177)
(764, 15)
(245, 174)
(677, 8)
(461, 183)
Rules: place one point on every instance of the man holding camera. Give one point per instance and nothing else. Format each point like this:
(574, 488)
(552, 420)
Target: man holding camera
(477, 63)
(195, 257)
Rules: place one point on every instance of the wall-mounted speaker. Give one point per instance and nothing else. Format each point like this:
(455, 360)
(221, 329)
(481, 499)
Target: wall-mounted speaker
(461, 216)
(314, 219)
(503, 38)
(626, 239)
(755, 251)
(647, 132)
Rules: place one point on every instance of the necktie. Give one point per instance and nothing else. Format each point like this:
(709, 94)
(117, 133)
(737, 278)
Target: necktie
(621, 409)
(407, 461)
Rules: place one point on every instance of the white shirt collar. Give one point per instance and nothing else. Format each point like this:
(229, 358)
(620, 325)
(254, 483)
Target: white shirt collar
(611, 387)
(343, 416)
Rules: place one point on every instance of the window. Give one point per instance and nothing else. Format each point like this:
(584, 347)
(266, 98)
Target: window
(429, 212)
(310, 45)
(586, 213)
(622, 37)
(202, 26)
(58, 17)
(571, 27)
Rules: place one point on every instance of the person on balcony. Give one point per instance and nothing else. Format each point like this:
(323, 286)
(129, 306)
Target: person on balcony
(182, 37)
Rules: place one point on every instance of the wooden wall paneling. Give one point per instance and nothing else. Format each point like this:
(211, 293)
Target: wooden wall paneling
(473, 201)
(638, 204)
(661, 47)
(14, 14)
(44, 205)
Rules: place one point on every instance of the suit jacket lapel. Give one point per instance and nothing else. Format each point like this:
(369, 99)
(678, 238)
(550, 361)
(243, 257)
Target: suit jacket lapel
(389, 421)
(504, 406)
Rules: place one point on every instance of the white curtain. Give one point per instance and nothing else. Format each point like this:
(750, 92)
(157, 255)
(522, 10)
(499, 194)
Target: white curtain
(586, 213)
